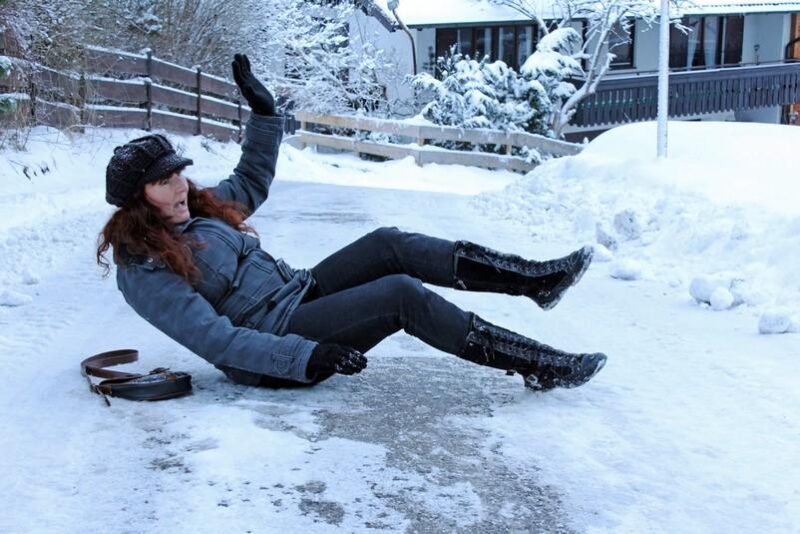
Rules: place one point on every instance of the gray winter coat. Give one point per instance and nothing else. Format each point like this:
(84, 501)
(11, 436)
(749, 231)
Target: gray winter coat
(236, 317)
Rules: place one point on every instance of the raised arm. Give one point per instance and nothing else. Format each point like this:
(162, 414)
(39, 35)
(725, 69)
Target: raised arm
(170, 304)
(252, 177)
(250, 181)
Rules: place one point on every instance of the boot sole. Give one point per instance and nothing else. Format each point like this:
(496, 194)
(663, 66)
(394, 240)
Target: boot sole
(561, 289)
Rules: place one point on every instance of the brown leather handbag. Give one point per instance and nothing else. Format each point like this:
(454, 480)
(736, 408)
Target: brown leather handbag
(158, 384)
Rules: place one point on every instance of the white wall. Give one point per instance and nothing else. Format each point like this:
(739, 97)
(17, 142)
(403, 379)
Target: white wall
(769, 32)
(395, 45)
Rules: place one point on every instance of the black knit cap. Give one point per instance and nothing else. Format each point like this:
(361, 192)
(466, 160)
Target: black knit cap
(138, 162)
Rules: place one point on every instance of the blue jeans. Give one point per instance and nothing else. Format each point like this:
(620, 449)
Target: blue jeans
(372, 288)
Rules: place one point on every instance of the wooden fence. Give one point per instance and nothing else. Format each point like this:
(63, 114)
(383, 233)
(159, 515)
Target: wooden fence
(417, 137)
(125, 90)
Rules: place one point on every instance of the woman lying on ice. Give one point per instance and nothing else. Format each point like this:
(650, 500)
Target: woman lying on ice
(188, 263)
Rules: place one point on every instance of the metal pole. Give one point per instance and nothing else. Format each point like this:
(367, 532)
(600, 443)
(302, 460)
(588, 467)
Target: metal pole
(663, 79)
(410, 38)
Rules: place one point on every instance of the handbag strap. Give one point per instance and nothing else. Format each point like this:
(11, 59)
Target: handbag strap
(93, 365)
(158, 384)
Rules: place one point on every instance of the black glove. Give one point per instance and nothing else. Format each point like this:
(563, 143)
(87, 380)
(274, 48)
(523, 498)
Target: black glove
(333, 358)
(258, 97)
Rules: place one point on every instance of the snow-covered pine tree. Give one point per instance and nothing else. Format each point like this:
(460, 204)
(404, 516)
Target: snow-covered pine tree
(554, 63)
(480, 94)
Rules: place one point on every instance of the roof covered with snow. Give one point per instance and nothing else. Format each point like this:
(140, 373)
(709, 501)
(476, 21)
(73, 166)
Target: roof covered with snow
(443, 12)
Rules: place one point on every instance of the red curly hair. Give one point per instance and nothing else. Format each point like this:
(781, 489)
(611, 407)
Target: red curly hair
(138, 229)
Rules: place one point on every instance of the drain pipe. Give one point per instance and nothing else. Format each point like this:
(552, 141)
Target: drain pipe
(393, 5)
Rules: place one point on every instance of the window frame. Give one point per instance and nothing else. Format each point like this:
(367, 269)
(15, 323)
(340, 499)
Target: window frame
(629, 63)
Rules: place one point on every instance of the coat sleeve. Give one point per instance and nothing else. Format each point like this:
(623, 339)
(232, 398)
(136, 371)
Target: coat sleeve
(173, 306)
(252, 177)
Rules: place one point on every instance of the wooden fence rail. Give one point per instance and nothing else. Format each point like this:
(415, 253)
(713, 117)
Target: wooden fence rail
(118, 89)
(418, 136)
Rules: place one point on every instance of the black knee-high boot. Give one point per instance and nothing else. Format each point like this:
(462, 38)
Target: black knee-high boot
(479, 268)
(542, 366)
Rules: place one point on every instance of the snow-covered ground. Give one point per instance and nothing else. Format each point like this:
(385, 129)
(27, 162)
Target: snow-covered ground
(693, 426)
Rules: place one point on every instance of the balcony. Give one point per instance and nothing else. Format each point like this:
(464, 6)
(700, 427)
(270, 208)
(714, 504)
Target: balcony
(623, 99)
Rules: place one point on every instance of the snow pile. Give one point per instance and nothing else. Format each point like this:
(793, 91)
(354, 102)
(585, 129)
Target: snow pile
(778, 322)
(718, 220)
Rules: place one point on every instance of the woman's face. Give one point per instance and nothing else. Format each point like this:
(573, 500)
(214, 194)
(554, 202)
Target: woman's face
(170, 195)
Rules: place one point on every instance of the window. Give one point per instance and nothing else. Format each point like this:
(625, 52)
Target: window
(524, 44)
(733, 33)
(483, 43)
(620, 43)
(511, 44)
(445, 38)
(712, 41)
(465, 43)
(505, 43)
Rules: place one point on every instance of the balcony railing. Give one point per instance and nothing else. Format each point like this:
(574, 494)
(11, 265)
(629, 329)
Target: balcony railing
(633, 98)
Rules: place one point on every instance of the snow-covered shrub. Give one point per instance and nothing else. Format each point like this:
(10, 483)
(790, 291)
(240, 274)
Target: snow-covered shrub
(555, 61)
(480, 94)
(5, 67)
(6, 103)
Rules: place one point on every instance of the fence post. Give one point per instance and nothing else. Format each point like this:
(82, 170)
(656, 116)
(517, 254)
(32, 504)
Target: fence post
(304, 127)
(148, 88)
(239, 111)
(149, 64)
(82, 98)
(32, 89)
(199, 102)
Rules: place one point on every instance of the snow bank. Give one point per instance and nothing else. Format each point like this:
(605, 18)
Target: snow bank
(721, 212)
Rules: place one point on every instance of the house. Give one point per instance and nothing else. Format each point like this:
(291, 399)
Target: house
(740, 62)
